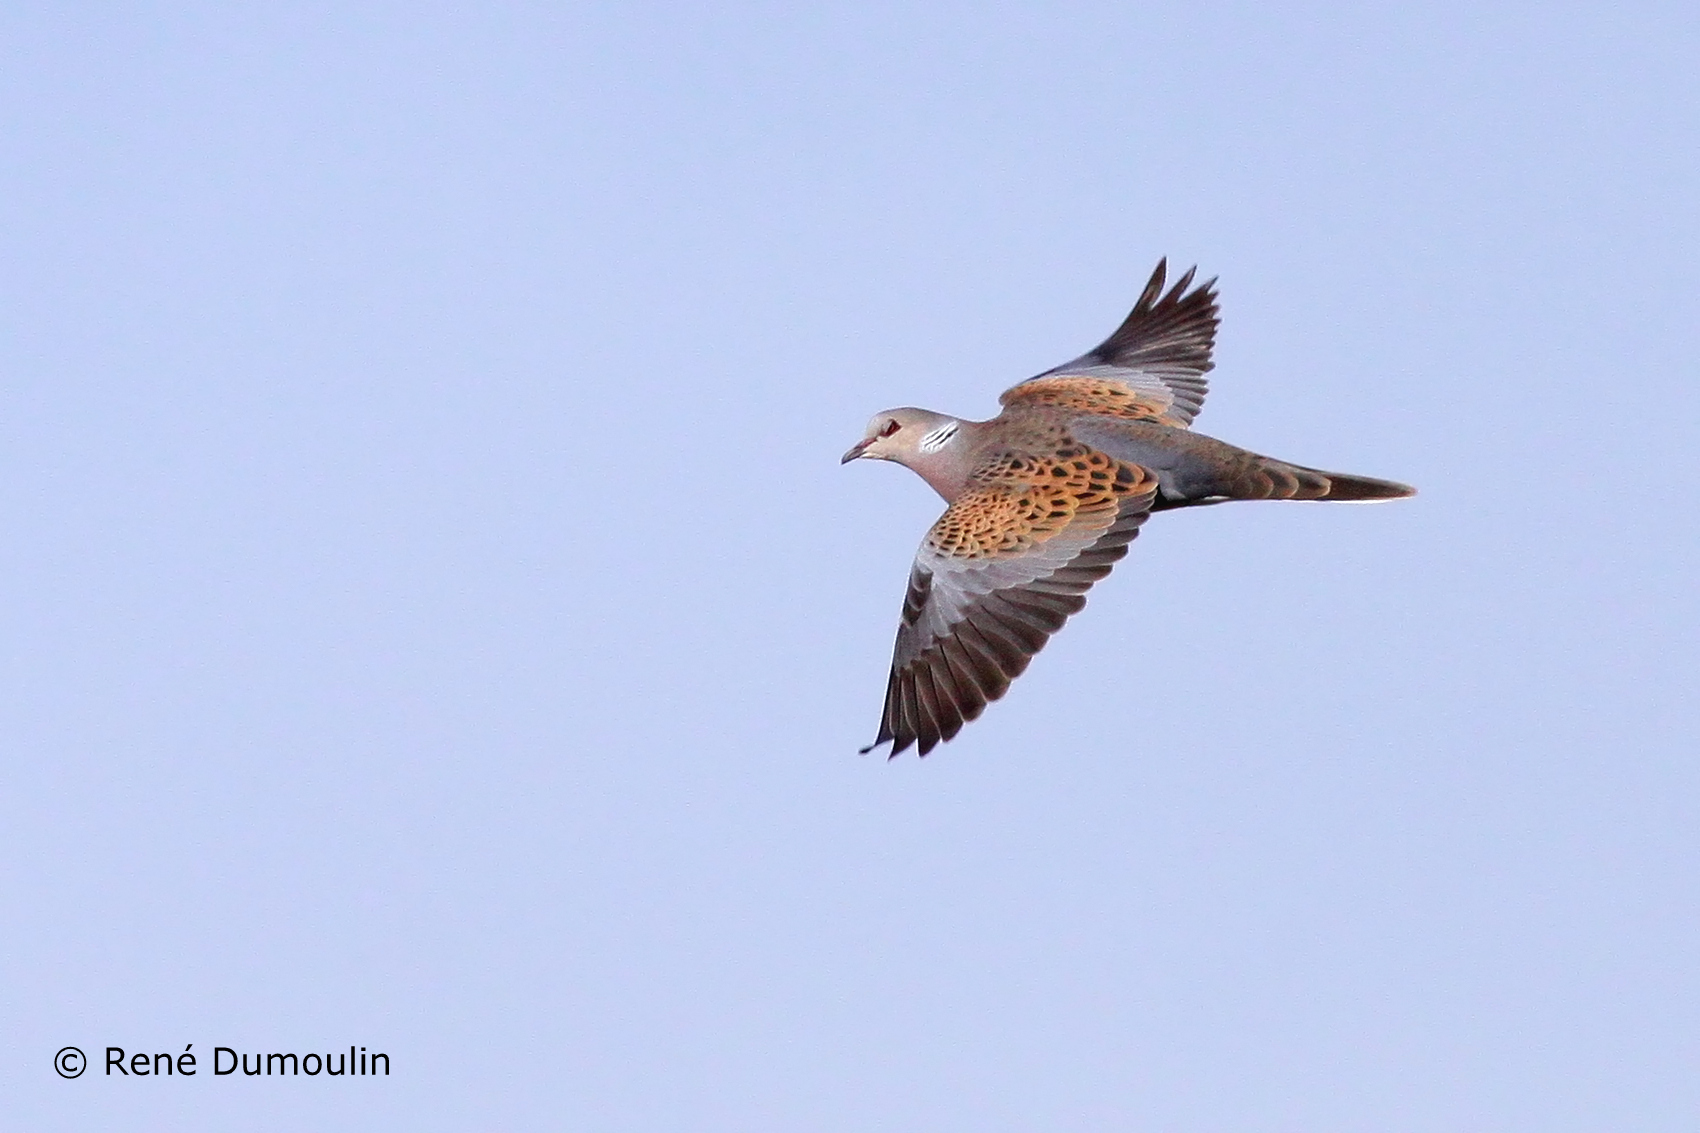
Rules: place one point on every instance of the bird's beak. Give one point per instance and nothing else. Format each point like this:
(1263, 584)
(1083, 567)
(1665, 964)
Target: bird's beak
(857, 450)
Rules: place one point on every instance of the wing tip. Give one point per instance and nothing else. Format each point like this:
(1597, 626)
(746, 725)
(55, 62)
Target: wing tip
(1154, 293)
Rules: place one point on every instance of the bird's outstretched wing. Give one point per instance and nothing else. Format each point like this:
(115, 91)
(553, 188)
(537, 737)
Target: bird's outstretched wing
(1001, 571)
(1151, 369)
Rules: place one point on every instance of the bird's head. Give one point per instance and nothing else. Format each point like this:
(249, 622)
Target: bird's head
(904, 435)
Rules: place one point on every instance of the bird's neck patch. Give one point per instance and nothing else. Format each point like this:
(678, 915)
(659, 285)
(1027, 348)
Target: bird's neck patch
(939, 437)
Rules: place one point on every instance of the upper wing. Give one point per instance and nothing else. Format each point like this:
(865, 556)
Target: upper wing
(1152, 368)
(1000, 572)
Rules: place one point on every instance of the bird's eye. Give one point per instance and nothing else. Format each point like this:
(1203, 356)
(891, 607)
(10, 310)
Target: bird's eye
(889, 428)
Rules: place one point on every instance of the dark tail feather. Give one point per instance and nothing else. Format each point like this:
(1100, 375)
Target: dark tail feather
(1293, 482)
(1363, 488)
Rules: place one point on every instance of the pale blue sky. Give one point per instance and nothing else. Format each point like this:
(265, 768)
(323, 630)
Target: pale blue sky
(436, 619)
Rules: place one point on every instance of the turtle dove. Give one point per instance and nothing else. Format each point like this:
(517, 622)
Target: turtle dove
(1045, 498)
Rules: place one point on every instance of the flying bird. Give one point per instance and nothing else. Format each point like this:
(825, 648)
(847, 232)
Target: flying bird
(1045, 498)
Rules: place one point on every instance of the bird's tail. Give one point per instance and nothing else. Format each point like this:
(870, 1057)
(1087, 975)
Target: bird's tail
(1268, 479)
(1194, 469)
